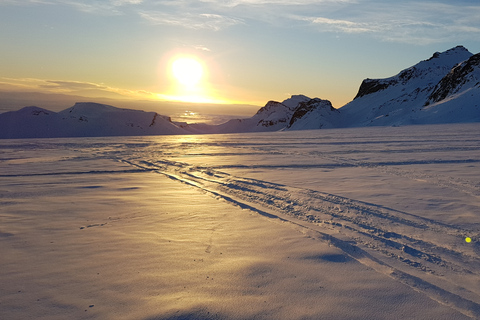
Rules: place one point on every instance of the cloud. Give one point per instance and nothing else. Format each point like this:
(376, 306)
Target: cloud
(71, 85)
(99, 7)
(404, 22)
(201, 48)
(417, 22)
(105, 7)
(234, 3)
(125, 2)
(25, 2)
(341, 25)
(210, 21)
(87, 89)
(413, 22)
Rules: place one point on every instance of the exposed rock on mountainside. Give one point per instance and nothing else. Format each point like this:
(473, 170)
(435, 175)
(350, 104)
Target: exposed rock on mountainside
(442, 89)
(314, 114)
(462, 74)
(399, 100)
(273, 113)
(273, 116)
(370, 86)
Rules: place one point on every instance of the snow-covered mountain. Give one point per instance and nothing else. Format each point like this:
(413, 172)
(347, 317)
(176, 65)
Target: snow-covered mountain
(442, 89)
(273, 116)
(84, 119)
(419, 94)
(298, 112)
(314, 114)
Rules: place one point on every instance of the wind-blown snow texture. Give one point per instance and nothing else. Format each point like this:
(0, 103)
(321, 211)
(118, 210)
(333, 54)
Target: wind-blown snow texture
(442, 89)
(394, 205)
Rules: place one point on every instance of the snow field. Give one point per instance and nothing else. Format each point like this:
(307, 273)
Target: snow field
(355, 223)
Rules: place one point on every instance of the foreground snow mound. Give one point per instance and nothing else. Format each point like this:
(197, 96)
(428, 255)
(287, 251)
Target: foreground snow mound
(399, 99)
(85, 119)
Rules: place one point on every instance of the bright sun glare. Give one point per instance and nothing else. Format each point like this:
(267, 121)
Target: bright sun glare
(187, 71)
(189, 80)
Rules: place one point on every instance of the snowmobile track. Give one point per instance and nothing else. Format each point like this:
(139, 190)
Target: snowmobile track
(425, 254)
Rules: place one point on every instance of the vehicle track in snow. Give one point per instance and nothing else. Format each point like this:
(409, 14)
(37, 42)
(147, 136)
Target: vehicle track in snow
(425, 254)
(394, 168)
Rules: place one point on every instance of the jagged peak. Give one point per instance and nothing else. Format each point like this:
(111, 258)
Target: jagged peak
(273, 103)
(316, 102)
(305, 107)
(294, 100)
(456, 50)
(447, 58)
(436, 66)
(270, 106)
(468, 70)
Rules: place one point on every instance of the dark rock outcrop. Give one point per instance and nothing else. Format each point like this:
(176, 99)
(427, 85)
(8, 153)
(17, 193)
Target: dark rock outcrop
(323, 108)
(458, 76)
(369, 86)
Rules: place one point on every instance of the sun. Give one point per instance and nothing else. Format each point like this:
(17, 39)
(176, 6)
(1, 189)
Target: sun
(188, 78)
(187, 71)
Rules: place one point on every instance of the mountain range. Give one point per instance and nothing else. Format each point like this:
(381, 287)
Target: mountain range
(442, 89)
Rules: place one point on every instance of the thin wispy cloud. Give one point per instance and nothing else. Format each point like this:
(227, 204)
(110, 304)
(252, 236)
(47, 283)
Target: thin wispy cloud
(209, 21)
(419, 23)
(68, 87)
(426, 22)
(105, 7)
(201, 48)
(125, 2)
(96, 7)
(404, 22)
(234, 3)
(71, 85)
(339, 25)
(25, 2)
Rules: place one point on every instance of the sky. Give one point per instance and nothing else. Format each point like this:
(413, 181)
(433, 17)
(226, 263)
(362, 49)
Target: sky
(242, 52)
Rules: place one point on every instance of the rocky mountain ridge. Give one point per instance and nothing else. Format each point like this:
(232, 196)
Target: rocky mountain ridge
(400, 100)
(462, 74)
(442, 89)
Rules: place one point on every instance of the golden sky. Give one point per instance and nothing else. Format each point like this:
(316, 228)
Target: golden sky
(231, 52)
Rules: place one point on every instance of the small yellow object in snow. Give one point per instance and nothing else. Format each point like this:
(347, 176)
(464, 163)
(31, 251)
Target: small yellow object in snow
(468, 239)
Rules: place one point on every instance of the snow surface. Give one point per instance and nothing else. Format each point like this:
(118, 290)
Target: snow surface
(362, 223)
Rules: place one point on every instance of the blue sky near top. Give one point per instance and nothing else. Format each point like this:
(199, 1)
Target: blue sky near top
(251, 51)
